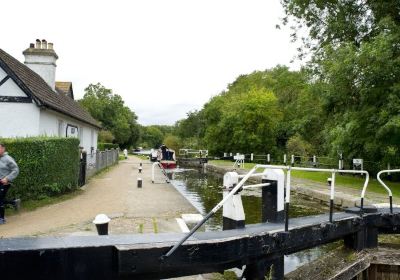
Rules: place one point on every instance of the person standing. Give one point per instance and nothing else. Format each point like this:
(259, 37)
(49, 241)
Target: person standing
(8, 172)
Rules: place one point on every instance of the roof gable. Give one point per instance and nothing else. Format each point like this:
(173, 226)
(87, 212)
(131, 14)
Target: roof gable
(36, 88)
(65, 88)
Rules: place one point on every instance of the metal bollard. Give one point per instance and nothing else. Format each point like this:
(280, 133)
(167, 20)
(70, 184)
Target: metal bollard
(101, 221)
(139, 183)
(140, 169)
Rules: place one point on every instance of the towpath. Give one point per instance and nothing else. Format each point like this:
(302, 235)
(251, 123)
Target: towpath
(152, 208)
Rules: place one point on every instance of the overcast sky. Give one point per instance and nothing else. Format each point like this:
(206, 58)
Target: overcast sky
(164, 57)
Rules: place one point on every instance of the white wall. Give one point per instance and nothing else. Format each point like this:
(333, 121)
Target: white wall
(9, 88)
(19, 119)
(49, 125)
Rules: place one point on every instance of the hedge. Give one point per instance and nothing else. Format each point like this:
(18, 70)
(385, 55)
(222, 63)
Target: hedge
(48, 166)
(106, 146)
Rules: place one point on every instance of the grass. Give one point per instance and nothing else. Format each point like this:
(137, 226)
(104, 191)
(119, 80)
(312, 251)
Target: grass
(155, 225)
(141, 228)
(121, 157)
(355, 182)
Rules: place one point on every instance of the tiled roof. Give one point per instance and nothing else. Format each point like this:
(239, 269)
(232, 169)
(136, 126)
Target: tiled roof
(65, 88)
(34, 86)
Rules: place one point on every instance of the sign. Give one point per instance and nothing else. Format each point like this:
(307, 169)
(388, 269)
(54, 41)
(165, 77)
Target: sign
(357, 161)
(239, 157)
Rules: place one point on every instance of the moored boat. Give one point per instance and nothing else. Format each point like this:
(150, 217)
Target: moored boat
(167, 157)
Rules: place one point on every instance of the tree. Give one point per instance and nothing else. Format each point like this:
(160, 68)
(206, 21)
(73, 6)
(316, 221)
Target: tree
(356, 65)
(105, 136)
(296, 145)
(248, 123)
(151, 137)
(109, 109)
(172, 142)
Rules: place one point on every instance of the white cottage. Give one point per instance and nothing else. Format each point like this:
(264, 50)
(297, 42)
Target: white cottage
(32, 103)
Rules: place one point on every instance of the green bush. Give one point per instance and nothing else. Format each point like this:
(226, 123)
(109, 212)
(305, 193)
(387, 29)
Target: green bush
(106, 146)
(48, 166)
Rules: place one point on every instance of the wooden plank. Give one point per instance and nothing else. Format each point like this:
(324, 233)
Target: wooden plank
(16, 99)
(4, 80)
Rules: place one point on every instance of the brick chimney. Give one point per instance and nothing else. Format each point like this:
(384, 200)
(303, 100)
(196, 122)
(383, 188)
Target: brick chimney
(41, 58)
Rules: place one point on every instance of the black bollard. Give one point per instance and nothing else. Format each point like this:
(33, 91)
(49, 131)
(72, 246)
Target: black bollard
(101, 221)
(140, 169)
(139, 183)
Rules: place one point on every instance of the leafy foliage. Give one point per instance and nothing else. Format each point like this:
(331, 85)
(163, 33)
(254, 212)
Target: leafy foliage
(107, 146)
(105, 136)
(173, 142)
(258, 113)
(48, 166)
(151, 137)
(109, 109)
(356, 68)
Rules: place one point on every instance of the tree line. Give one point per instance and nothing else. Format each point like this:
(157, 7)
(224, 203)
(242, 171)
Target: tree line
(346, 99)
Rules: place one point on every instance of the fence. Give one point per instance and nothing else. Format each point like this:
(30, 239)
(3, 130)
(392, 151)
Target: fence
(99, 160)
(314, 161)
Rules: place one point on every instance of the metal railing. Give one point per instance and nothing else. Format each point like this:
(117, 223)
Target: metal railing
(153, 172)
(200, 153)
(332, 187)
(288, 169)
(378, 177)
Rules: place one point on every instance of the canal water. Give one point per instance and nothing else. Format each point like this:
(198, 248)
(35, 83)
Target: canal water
(204, 191)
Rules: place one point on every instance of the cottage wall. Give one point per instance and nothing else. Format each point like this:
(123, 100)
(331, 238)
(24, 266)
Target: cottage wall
(17, 119)
(55, 124)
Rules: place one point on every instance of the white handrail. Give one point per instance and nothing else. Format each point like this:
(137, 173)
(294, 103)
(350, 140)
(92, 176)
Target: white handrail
(288, 174)
(256, 186)
(378, 177)
(153, 172)
(323, 170)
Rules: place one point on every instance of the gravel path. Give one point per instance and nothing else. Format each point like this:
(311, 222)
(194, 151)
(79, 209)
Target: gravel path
(152, 208)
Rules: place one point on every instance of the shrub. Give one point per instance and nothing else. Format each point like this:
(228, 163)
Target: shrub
(106, 136)
(296, 145)
(48, 166)
(106, 146)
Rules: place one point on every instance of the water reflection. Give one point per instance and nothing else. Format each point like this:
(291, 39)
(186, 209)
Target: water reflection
(204, 191)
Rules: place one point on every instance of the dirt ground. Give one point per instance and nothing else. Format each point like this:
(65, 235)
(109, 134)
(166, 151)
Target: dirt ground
(152, 208)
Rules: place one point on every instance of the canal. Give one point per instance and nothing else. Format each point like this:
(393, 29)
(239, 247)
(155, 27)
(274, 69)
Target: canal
(204, 191)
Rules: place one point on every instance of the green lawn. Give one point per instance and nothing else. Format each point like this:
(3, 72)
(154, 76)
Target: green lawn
(350, 181)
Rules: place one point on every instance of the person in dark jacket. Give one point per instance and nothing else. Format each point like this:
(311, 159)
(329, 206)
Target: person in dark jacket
(8, 172)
